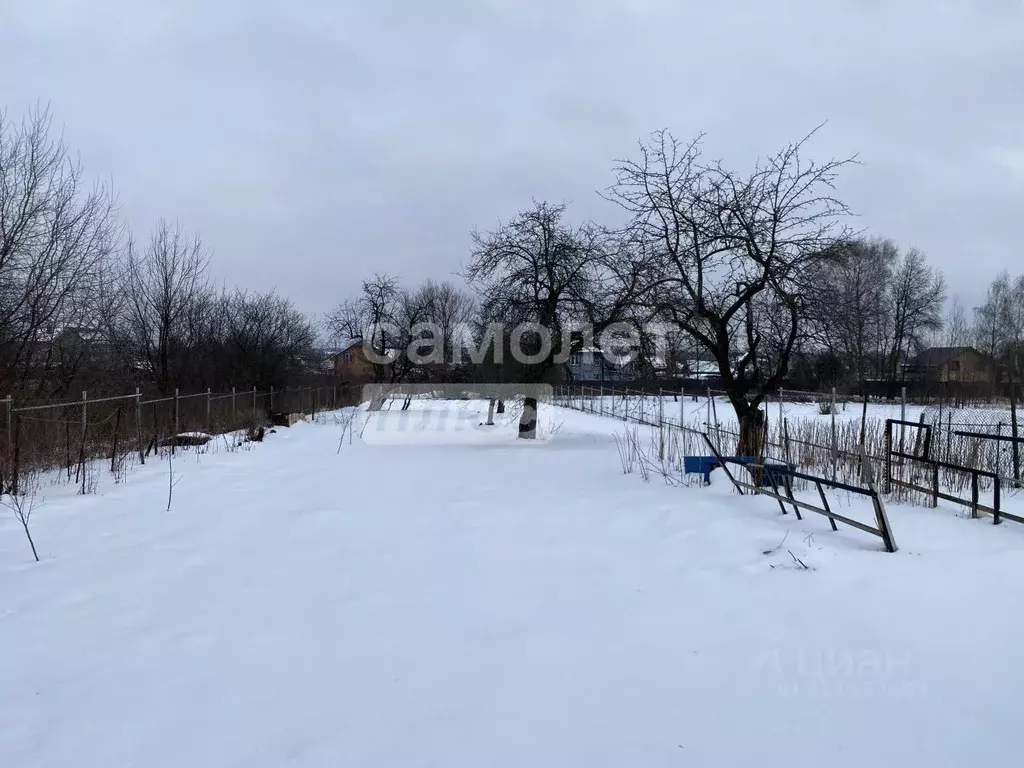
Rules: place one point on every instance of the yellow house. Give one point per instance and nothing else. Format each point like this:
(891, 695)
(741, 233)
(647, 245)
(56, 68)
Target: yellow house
(952, 365)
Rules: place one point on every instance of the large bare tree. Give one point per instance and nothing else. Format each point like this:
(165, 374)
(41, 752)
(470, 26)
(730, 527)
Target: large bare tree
(166, 287)
(269, 341)
(537, 274)
(729, 255)
(449, 311)
(384, 317)
(57, 232)
(917, 294)
(850, 304)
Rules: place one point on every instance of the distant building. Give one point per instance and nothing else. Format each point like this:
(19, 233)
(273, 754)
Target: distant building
(951, 365)
(350, 364)
(590, 364)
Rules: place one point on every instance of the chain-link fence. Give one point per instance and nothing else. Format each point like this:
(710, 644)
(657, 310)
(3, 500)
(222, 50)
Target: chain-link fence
(71, 435)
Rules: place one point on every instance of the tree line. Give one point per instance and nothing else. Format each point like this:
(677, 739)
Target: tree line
(757, 271)
(84, 304)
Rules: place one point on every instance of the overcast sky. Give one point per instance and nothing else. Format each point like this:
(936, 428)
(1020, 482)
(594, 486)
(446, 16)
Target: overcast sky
(314, 142)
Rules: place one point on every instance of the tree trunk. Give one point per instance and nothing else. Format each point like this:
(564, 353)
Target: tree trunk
(528, 421)
(490, 412)
(751, 442)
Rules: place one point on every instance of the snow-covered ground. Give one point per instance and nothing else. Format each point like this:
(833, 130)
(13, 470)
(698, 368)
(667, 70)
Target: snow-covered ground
(698, 412)
(438, 593)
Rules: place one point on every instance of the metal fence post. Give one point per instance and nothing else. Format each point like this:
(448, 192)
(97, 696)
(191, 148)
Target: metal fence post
(781, 416)
(10, 423)
(887, 480)
(233, 421)
(903, 417)
(271, 399)
(835, 439)
(999, 446)
(138, 424)
(174, 438)
(661, 424)
(209, 423)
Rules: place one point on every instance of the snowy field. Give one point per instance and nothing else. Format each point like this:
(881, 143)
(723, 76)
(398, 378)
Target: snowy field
(438, 593)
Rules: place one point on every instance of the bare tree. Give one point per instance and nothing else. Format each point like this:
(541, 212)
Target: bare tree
(346, 322)
(916, 297)
(449, 311)
(989, 330)
(164, 285)
(540, 271)
(1000, 332)
(849, 303)
(56, 234)
(23, 504)
(385, 317)
(268, 340)
(957, 327)
(724, 249)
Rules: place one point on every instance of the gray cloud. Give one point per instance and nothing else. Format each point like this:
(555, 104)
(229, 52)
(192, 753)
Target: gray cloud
(312, 143)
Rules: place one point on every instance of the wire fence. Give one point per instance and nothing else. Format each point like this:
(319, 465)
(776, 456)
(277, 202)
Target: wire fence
(70, 435)
(821, 432)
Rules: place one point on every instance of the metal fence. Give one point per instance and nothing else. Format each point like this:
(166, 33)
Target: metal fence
(67, 435)
(703, 432)
(828, 444)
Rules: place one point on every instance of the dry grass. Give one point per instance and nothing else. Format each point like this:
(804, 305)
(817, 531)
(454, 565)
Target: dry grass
(820, 446)
(118, 435)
